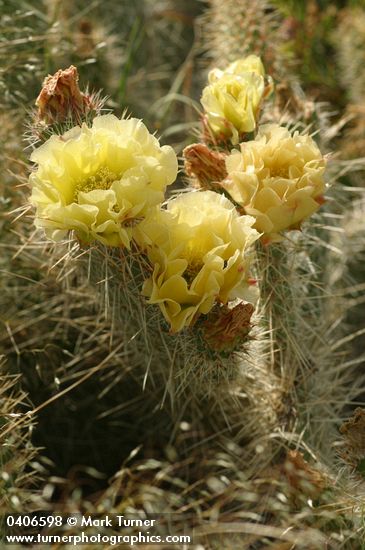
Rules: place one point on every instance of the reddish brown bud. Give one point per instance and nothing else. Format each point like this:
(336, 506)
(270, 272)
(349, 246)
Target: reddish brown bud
(206, 167)
(61, 99)
(226, 328)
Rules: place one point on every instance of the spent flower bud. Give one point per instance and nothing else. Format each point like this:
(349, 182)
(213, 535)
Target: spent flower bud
(225, 329)
(206, 167)
(61, 99)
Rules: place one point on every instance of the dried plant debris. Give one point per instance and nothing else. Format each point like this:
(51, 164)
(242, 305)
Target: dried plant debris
(353, 445)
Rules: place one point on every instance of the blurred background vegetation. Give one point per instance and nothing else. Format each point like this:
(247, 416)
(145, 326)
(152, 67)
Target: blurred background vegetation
(149, 57)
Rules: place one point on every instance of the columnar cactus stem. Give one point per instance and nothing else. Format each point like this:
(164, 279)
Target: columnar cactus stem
(237, 28)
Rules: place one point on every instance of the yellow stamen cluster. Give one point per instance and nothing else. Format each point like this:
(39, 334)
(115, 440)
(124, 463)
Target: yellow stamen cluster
(103, 180)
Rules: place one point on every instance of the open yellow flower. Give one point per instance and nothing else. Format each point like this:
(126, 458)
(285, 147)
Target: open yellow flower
(232, 99)
(277, 178)
(198, 247)
(99, 181)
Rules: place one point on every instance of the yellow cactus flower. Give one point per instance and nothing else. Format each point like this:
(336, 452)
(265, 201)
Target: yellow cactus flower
(99, 181)
(232, 103)
(198, 247)
(233, 97)
(277, 178)
(249, 64)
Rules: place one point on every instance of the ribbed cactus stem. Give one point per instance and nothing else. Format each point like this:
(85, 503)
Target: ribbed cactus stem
(278, 297)
(237, 28)
(181, 364)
